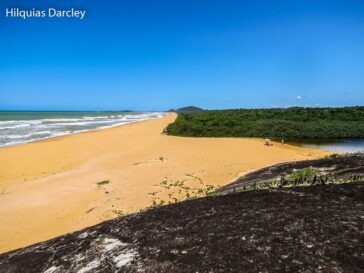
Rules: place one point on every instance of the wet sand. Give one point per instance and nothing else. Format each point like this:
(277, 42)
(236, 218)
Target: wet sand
(50, 187)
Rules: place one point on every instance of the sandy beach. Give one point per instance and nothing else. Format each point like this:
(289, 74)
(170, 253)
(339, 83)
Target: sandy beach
(50, 187)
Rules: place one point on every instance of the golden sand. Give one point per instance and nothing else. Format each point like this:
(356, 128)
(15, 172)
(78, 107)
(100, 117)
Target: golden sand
(49, 188)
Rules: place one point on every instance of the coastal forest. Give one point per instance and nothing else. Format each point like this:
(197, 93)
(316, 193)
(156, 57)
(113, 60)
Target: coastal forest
(287, 123)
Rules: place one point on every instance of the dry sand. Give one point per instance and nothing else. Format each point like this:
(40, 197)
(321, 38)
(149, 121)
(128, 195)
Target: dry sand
(49, 188)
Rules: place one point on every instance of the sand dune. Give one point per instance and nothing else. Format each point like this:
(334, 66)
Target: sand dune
(51, 187)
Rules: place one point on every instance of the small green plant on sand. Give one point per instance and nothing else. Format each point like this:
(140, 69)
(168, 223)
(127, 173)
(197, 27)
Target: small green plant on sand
(273, 184)
(179, 190)
(103, 182)
(119, 212)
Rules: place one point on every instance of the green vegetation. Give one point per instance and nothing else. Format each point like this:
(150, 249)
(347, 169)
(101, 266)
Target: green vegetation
(176, 191)
(172, 191)
(303, 173)
(335, 155)
(290, 123)
(119, 212)
(303, 177)
(273, 184)
(104, 182)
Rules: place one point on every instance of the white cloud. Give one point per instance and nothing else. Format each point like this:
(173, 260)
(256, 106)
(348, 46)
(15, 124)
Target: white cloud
(299, 97)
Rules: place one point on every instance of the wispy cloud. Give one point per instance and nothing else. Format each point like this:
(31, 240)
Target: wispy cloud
(299, 97)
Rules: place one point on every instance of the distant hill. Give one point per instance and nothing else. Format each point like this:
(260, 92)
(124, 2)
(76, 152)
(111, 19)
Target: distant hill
(190, 109)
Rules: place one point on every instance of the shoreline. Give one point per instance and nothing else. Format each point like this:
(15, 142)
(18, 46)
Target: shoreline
(81, 132)
(51, 187)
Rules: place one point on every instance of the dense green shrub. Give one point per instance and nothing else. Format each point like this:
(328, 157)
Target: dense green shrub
(346, 122)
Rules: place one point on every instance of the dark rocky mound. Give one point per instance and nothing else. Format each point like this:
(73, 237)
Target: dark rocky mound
(301, 229)
(340, 166)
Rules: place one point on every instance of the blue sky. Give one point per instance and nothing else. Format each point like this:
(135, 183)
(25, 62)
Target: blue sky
(156, 55)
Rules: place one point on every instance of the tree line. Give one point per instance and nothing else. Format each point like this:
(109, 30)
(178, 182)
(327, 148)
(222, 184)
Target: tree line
(288, 123)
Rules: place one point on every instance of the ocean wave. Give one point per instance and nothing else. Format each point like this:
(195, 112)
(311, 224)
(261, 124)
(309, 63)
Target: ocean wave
(30, 122)
(15, 126)
(72, 119)
(59, 119)
(16, 136)
(101, 117)
(14, 132)
(29, 135)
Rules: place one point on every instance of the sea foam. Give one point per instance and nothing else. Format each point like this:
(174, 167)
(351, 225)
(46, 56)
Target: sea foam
(25, 129)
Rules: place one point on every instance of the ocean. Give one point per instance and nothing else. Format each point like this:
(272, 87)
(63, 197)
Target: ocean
(24, 127)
